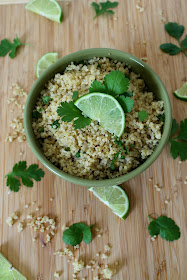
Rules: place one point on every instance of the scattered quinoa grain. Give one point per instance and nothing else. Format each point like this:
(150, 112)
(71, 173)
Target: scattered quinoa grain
(104, 256)
(57, 275)
(99, 235)
(37, 209)
(20, 227)
(26, 206)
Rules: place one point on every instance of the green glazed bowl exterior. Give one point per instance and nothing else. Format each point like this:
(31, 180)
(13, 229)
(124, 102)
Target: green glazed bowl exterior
(152, 82)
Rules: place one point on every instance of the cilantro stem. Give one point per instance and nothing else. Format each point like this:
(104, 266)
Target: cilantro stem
(182, 49)
(150, 217)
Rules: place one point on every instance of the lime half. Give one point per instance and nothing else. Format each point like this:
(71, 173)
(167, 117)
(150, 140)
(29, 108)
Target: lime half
(105, 109)
(44, 62)
(114, 197)
(8, 272)
(181, 93)
(47, 8)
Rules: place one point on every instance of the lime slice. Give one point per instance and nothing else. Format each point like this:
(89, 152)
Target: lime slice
(105, 109)
(47, 8)
(114, 197)
(181, 93)
(8, 272)
(44, 62)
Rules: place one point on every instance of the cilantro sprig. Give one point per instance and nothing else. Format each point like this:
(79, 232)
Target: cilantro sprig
(46, 99)
(76, 233)
(175, 30)
(116, 84)
(20, 171)
(179, 142)
(7, 47)
(68, 111)
(164, 226)
(104, 7)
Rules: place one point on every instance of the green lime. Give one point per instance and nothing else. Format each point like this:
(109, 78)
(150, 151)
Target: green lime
(105, 109)
(114, 197)
(181, 93)
(47, 8)
(8, 272)
(44, 62)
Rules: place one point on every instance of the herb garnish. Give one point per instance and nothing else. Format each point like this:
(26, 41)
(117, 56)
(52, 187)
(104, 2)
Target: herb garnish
(175, 30)
(164, 226)
(115, 157)
(179, 147)
(7, 47)
(36, 114)
(76, 233)
(46, 99)
(42, 129)
(103, 7)
(67, 149)
(21, 171)
(77, 155)
(75, 95)
(55, 124)
(68, 111)
(142, 115)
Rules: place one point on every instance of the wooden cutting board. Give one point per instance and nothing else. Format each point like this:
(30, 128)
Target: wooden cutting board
(131, 31)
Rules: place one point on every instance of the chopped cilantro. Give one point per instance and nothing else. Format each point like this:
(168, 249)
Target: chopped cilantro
(20, 171)
(99, 65)
(36, 114)
(161, 117)
(55, 124)
(122, 157)
(46, 99)
(115, 157)
(142, 115)
(67, 149)
(75, 95)
(68, 111)
(104, 7)
(77, 155)
(127, 151)
(40, 110)
(41, 129)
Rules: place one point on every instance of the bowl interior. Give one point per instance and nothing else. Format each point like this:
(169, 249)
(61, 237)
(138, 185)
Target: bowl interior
(152, 81)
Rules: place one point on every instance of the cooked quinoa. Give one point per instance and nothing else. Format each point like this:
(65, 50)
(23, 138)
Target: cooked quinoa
(94, 146)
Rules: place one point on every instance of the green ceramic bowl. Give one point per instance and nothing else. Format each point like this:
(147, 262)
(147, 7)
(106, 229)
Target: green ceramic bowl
(153, 83)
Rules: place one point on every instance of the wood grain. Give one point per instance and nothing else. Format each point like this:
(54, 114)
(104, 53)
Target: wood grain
(139, 257)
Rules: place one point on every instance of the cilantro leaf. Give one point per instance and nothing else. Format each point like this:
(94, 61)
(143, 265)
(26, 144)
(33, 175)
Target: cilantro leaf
(154, 228)
(76, 233)
(170, 48)
(97, 87)
(178, 148)
(116, 83)
(164, 226)
(75, 95)
(7, 47)
(77, 155)
(161, 117)
(115, 157)
(21, 171)
(103, 7)
(68, 111)
(46, 99)
(142, 115)
(128, 93)
(183, 130)
(184, 43)
(174, 29)
(126, 103)
(174, 127)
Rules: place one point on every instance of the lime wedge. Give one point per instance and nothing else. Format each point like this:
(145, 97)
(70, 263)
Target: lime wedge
(181, 93)
(114, 197)
(47, 8)
(105, 109)
(44, 62)
(8, 272)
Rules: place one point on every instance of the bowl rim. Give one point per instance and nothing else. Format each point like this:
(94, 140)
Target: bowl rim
(89, 182)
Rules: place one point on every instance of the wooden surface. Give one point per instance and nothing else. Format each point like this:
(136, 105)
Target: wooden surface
(139, 257)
